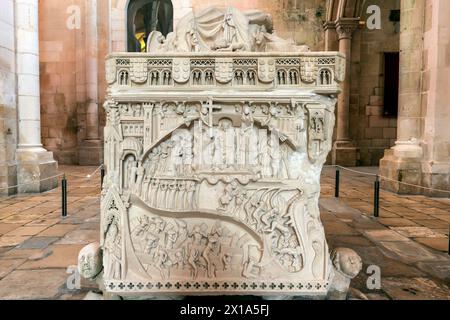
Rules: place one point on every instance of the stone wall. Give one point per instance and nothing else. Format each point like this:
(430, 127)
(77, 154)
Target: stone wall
(373, 132)
(8, 103)
(63, 75)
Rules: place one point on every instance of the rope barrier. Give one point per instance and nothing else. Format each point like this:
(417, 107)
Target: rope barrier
(33, 182)
(88, 177)
(386, 178)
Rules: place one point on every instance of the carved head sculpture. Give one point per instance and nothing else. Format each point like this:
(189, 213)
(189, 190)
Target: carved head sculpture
(90, 261)
(259, 35)
(274, 111)
(229, 17)
(225, 124)
(347, 262)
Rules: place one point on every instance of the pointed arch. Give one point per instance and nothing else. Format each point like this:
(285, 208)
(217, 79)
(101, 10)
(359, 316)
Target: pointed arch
(145, 16)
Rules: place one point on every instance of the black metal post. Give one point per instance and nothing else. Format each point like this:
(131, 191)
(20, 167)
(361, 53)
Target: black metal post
(337, 182)
(376, 200)
(64, 196)
(102, 175)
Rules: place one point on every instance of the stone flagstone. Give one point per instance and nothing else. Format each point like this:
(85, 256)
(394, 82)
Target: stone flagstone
(408, 252)
(417, 232)
(414, 289)
(32, 284)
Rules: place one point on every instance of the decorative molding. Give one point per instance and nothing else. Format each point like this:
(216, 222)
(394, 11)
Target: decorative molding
(346, 26)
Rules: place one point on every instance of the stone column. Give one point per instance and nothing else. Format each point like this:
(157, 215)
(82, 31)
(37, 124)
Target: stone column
(436, 83)
(410, 120)
(331, 38)
(8, 107)
(91, 151)
(402, 162)
(344, 152)
(34, 162)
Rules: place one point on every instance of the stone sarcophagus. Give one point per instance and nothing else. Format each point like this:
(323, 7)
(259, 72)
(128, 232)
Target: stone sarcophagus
(213, 153)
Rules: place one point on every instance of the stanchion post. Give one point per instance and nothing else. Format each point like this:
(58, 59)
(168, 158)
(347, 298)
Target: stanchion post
(102, 175)
(64, 196)
(337, 182)
(376, 200)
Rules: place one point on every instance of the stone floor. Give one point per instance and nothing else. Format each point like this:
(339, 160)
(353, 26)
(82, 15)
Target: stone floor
(409, 242)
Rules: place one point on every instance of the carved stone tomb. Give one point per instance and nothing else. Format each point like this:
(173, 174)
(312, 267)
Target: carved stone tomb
(214, 146)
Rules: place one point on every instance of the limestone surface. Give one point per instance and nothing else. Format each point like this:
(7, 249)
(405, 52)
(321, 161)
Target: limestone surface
(214, 146)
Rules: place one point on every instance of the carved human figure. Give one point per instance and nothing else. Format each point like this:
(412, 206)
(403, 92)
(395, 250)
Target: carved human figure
(142, 227)
(167, 78)
(197, 78)
(129, 172)
(140, 172)
(251, 78)
(162, 262)
(193, 40)
(90, 261)
(251, 259)
(153, 192)
(209, 78)
(347, 265)
(171, 192)
(190, 191)
(145, 188)
(195, 249)
(154, 78)
(133, 174)
(153, 161)
(171, 238)
(137, 111)
(208, 147)
(229, 27)
(226, 200)
(274, 155)
(250, 207)
(224, 148)
(112, 251)
(273, 220)
(162, 193)
(180, 201)
(151, 244)
(211, 251)
(240, 197)
(165, 162)
(239, 77)
(317, 125)
(226, 261)
(259, 38)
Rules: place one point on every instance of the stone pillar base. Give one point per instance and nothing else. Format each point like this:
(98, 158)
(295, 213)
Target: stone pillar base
(344, 154)
(401, 169)
(90, 153)
(436, 175)
(8, 177)
(34, 168)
